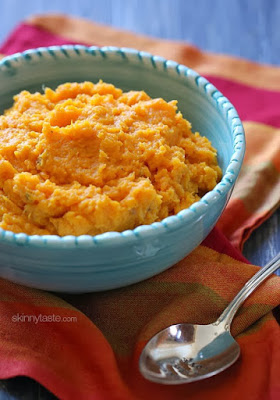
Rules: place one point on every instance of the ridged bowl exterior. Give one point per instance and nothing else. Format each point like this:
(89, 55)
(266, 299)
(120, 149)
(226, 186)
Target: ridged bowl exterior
(111, 260)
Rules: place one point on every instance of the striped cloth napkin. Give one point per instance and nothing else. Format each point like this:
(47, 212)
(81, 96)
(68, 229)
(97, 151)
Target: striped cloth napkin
(88, 346)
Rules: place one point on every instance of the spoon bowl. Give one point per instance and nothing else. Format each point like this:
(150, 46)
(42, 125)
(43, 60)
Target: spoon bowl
(184, 353)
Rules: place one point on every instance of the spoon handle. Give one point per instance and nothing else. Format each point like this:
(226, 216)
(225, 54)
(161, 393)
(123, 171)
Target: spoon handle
(228, 314)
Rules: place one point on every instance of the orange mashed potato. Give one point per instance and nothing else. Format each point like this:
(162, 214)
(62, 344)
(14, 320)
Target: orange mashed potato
(88, 158)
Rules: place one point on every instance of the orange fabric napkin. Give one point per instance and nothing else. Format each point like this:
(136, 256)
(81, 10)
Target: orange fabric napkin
(87, 346)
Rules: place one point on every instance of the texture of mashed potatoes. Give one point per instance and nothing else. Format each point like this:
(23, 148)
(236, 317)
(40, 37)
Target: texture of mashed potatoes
(88, 158)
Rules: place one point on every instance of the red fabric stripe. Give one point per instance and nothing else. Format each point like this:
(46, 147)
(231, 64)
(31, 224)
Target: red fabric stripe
(252, 104)
(217, 241)
(26, 37)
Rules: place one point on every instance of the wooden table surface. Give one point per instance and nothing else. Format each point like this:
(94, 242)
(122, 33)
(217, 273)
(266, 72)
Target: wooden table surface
(246, 28)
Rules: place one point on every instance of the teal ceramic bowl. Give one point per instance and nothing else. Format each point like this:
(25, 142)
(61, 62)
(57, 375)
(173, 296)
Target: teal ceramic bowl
(112, 260)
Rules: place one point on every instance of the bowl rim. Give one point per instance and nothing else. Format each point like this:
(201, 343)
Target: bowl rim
(188, 215)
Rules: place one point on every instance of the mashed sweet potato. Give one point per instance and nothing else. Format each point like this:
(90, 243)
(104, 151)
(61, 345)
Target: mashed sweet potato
(88, 158)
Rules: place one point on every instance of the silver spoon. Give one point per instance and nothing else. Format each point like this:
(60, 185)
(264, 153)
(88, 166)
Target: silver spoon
(186, 353)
